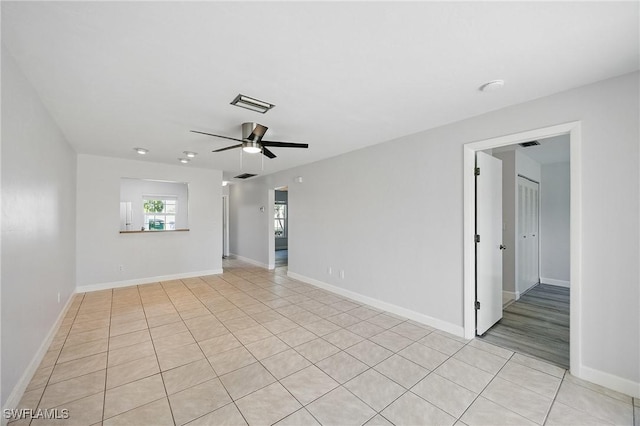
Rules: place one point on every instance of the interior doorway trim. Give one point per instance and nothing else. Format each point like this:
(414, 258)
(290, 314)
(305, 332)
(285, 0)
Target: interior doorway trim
(271, 242)
(574, 130)
(225, 226)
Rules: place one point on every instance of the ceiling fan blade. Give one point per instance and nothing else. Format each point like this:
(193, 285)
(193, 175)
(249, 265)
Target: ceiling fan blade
(217, 136)
(260, 130)
(229, 147)
(268, 153)
(284, 144)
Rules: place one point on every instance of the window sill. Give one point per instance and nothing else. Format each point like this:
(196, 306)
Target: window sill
(153, 231)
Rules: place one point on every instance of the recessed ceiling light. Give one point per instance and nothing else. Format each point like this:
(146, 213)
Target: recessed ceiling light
(183, 160)
(141, 151)
(252, 104)
(190, 154)
(225, 182)
(492, 86)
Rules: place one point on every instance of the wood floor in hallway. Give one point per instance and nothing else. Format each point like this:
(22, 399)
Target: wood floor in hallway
(537, 324)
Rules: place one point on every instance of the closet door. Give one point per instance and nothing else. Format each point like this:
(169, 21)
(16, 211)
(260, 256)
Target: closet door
(527, 254)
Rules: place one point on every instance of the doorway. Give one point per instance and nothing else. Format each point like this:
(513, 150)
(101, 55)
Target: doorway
(281, 226)
(225, 226)
(573, 131)
(534, 316)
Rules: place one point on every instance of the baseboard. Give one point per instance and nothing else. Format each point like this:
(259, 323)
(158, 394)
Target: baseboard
(551, 281)
(18, 390)
(251, 261)
(394, 309)
(511, 295)
(620, 384)
(147, 280)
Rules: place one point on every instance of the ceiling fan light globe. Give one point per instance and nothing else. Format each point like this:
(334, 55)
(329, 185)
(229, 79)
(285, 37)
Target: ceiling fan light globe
(251, 149)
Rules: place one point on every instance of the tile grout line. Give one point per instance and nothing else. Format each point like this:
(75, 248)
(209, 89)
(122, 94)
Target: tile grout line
(205, 357)
(247, 294)
(56, 361)
(155, 352)
(396, 353)
(106, 368)
(555, 395)
(484, 388)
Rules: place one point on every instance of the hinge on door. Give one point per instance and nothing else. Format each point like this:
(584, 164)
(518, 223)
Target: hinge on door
(477, 305)
(477, 238)
(476, 171)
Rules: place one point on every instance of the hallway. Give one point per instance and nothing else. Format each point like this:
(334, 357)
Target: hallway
(537, 324)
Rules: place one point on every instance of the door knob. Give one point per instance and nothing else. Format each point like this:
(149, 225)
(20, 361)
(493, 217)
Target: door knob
(503, 247)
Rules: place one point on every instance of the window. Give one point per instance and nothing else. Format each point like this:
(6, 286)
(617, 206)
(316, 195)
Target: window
(280, 220)
(159, 214)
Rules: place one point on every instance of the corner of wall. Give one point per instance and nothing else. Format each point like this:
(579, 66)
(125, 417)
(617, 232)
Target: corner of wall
(18, 390)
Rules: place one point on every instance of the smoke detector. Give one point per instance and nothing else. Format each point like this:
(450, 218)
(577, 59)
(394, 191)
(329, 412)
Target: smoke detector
(492, 86)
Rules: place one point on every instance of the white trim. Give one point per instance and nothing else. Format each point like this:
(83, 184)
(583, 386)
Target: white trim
(469, 150)
(18, 390)
(251, 261)
(146, 280)
(225, 225)
(271, 240)
(552, 281)
(620, 384)
(394, 309)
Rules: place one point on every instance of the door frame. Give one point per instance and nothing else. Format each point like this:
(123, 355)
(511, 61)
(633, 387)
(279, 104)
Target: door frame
(225, 226)
(573, 129)
(271, 241)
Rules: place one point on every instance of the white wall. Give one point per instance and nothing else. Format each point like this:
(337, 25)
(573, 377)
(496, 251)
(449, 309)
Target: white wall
(555, 197)
(249, 234)
(101, 249)
(399, 232)
(527, 167)
(38, 225)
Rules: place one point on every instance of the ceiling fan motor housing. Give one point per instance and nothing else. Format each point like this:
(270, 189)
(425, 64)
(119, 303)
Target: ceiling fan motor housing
(247, 131)
(250, 141)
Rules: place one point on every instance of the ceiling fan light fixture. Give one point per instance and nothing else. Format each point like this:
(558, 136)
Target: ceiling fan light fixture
(256, 105)
(141, 151)
(251, 147)
(190, 154)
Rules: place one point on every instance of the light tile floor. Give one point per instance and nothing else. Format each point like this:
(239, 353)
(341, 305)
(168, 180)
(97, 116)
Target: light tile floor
(252, 346)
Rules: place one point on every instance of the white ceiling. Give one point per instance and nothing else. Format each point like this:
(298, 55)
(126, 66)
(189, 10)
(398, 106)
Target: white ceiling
(343, 75)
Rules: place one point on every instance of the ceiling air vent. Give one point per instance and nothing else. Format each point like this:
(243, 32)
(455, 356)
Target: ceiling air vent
(530, 143)
(245, 176)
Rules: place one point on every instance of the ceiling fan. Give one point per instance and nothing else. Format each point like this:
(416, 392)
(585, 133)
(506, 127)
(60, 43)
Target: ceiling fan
(252, 142)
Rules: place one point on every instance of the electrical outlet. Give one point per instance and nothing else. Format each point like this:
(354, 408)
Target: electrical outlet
(329, 270)
(121, 268)
(342, 274)
(58, 297)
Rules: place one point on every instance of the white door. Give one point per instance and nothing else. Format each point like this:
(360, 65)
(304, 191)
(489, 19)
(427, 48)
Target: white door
(527, 250)
(488, 241)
